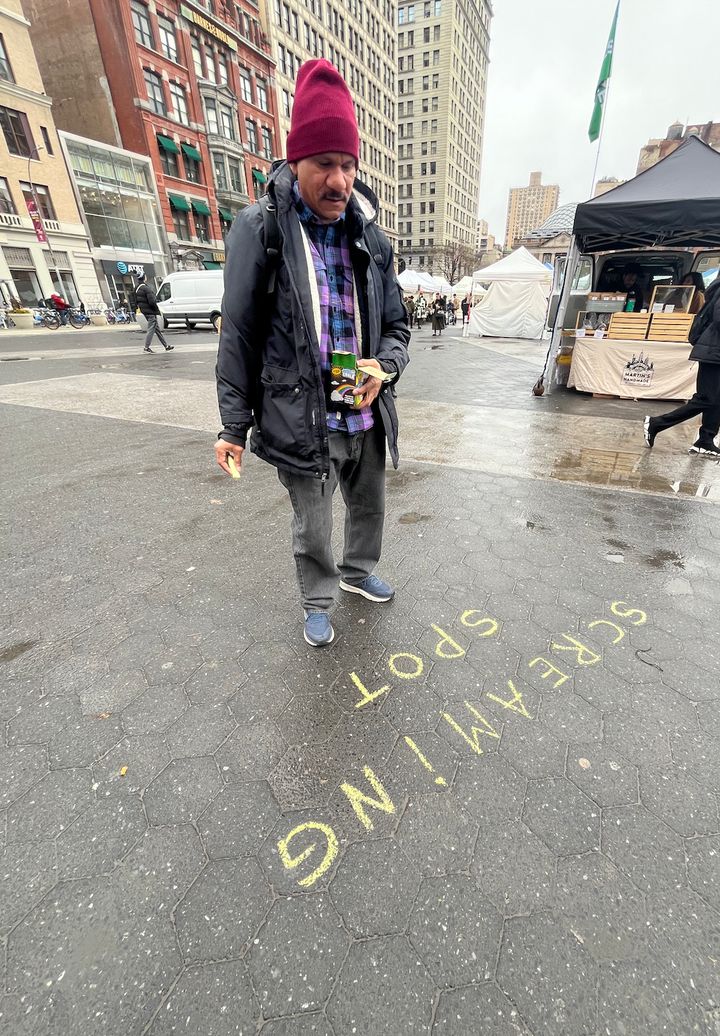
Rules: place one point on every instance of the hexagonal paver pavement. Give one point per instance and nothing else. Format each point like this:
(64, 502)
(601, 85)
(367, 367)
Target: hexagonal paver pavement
(182, 791)
(311, 1024)
(238, 821)
(533, 750)
(133, 763)
(154, 710)
(42, 720)
(221, 912)
(481, 1009)
(384, 988)
(99, 839)
(27, 871)
(682, 929)
(160, 869)
(681, 802)
(549, 975)
(489, 789)
(212, 999)
(599, 905)
(111, 692)
(83, 742)
(251, 752)
(602, 774)
(200, 730)
(297, 955)
(50, 806)
(390, 883)
(638, 997)
(20, 768)
(642, 847)
(565, 819)
(514, 868)
(703, 861)
(456, 930)
(454, 834)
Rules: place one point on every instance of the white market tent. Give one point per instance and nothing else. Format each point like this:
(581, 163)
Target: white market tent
(468, 285)
(516, 302)
(412, 281)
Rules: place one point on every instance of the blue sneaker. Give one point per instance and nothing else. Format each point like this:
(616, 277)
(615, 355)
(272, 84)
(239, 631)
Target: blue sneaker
(371, 587)
(318, 629)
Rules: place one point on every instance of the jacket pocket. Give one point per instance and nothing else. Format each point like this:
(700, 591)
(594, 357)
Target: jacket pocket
(285, 417)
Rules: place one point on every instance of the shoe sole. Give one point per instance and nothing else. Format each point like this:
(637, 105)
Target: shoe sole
(315, 643)
(349, 588)
(703, 453)
(646, 433)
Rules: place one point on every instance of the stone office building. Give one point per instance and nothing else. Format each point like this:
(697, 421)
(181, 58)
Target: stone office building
(188, 83)
(43, 243)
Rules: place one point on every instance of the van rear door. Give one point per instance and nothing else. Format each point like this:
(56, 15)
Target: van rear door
(708, 265)
(582, 284)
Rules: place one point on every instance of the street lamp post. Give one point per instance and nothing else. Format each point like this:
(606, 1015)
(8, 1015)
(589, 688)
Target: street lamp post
(36, 151)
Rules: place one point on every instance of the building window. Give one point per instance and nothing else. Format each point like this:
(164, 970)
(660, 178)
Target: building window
(246, 86)
(237, 176)
(7, 205)
(153, 83)
(5, 69)
(168, 160)
(219, 172)
(211, 117)
(168, 40)
(202, 230)
(287, 107)
(46, 140)
(192, 160)
(223, 73)
(41, 196)
(251, 130)
(227, 122)
(143, 28)
(262, 94)
(197, 58)
(16, 132)
(180, 224)
(267, 148)
(179, 102)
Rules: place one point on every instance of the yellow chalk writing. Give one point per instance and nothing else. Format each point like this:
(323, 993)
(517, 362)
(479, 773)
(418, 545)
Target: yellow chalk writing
(290, 862)
(367, 696)
(515, 703)
(617, 609)
(613, 625)
(417, 664)
(358, 799)
(491, 625)
(428, 765)
(473, 739)
(446, 639)
(584, 655)
(549, 670)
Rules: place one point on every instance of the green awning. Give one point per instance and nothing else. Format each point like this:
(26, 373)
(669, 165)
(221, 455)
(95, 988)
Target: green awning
(200, 207)
(225, 214)
(167, 144)
(192, 152)
(259, 175)
(210, 265)
(178, 202)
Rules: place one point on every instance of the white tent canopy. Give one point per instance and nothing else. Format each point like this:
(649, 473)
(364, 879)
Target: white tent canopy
(415, 280)
(516, 302)
(468, 285)
(519, 266)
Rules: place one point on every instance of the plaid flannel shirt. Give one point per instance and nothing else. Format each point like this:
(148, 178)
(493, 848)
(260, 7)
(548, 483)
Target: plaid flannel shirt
(334, 274)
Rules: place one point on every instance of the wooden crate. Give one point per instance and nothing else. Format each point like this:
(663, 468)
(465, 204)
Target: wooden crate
(670, 327)
(629, 326)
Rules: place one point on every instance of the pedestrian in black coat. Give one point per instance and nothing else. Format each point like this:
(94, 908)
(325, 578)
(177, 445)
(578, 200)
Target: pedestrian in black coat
(148, 305)
(705, 341)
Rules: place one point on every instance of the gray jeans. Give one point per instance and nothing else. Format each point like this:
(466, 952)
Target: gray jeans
(153, 329)
(358, 467)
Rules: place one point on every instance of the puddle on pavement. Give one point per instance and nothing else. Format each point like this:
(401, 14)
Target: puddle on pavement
(661, 558)
(621, 470)
(402, 479)
(413, 518)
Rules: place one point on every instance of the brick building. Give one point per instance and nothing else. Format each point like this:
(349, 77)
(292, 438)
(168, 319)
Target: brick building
(657, 149)
(189, 83)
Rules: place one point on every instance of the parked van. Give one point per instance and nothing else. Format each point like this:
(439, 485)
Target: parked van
(191, 298)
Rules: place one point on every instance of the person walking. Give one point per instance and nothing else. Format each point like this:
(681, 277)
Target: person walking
(410, 307)
(465, 307)
(309, 274)
(437, 312)
(147, 304)
(705, 340)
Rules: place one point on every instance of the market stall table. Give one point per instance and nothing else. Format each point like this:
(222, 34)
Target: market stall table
(632, 369)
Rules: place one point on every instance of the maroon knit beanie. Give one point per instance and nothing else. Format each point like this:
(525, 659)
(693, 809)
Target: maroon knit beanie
(323, 116)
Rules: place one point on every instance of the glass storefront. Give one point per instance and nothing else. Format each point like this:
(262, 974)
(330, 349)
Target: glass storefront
(117, 198)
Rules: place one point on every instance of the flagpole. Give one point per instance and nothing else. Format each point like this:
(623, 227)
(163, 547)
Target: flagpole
(601, 99)
(600, 137)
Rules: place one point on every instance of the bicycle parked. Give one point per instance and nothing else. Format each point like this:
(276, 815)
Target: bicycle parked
(51, 319)
(119, 316)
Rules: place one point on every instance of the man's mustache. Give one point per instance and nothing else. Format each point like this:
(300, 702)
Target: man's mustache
(335, 197)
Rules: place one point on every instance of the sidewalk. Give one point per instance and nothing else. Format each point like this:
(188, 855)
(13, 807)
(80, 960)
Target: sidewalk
(490, 807)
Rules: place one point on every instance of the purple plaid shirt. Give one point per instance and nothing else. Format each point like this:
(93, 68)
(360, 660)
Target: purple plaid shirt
(334, 274)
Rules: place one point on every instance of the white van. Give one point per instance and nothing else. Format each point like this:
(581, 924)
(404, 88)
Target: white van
(191, 298)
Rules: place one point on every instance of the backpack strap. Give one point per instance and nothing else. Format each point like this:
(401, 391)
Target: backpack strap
(271, 239)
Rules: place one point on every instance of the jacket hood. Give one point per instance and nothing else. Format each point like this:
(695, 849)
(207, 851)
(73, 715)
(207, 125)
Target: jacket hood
(363, 203)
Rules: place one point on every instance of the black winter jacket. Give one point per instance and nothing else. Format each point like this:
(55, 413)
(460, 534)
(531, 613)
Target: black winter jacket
(707, 347)
(268, 367)
(146, 300)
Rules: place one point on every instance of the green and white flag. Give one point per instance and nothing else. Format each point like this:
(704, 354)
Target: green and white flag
(601, 90)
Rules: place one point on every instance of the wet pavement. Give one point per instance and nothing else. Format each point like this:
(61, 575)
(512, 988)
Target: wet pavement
(490, 807)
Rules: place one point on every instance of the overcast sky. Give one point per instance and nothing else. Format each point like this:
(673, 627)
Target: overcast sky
(545, 59)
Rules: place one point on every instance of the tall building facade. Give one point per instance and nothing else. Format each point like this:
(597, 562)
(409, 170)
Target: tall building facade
(442, 79)
(43, 243)
(358, 37)
(189, 83)
(529, 207)
(654, 150)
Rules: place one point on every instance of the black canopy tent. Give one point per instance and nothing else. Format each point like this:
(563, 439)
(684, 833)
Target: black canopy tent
(674, 204)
